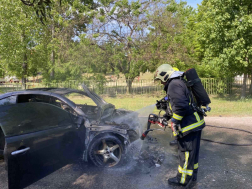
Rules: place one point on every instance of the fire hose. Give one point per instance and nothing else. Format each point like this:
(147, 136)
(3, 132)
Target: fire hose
(230, 144)
(163, 122)
(155, 119)
(203, 139)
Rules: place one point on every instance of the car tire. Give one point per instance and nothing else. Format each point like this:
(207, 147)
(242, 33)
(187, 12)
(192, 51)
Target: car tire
(106, 151)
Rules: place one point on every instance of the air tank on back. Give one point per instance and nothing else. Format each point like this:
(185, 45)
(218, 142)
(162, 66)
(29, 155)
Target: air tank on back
(198, 89)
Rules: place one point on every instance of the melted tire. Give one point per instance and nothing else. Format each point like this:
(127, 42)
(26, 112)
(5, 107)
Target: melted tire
(96, 145)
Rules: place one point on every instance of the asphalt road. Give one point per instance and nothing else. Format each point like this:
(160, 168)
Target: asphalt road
(220, 166)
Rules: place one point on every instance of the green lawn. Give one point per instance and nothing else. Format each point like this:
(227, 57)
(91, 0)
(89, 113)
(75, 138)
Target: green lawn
(220, 106)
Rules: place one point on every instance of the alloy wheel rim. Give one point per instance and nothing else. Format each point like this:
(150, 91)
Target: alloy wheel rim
(110, 153)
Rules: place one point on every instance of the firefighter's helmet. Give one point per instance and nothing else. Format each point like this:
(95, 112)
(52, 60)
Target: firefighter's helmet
(175, 69)
(163, 72)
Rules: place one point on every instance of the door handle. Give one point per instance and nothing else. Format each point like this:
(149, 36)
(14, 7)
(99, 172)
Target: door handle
(20, 151)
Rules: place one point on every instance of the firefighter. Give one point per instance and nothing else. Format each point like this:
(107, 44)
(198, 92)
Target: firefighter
(185, 123)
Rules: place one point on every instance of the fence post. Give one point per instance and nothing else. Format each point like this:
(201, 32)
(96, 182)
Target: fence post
(231, 86)
(149, 89)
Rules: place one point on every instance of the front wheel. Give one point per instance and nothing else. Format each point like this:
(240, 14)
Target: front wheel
(106, 151)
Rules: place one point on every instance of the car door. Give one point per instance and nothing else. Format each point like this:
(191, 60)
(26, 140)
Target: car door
(33, 135)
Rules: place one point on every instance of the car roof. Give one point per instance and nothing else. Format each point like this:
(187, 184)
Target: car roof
(60, 91)
(56, 92)
(43, 91)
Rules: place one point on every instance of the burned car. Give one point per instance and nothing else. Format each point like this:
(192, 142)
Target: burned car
(38, 124)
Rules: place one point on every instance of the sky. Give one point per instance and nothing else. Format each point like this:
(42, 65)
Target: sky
(193, 3)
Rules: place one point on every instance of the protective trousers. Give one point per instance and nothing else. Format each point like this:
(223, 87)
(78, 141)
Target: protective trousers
(188, 151)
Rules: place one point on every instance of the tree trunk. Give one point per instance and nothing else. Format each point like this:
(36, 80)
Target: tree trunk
(250, 89)
(24, 74)
(129, 85)
(53, 63)
(243, 93)
(24, 65)
(52, 57)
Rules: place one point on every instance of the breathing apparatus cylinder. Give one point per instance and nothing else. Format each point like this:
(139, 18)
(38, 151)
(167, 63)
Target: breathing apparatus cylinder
(197, 88)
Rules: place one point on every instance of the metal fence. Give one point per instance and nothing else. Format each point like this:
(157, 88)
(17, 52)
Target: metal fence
(115, 87)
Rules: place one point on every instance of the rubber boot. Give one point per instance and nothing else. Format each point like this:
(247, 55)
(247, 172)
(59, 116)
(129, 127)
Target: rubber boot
(174, 181)
(174, 142)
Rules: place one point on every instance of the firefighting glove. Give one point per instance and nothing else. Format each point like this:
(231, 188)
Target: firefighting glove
(176, 128)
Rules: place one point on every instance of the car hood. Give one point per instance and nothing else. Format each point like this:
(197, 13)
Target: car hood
(123, 118)
(111, 116)
(97, 99)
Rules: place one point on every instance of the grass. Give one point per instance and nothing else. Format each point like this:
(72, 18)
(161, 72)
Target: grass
(221, 106)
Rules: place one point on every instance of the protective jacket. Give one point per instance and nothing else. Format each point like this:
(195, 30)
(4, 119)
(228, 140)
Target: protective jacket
(180, 100)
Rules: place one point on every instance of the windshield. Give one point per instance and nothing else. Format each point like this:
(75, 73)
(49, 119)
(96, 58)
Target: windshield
(82, 98)
(90, 106)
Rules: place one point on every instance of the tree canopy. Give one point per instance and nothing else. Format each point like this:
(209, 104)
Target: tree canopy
(225, 36)
(64, 39)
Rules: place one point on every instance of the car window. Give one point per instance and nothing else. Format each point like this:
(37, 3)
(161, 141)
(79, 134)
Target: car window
(8, 101)
(23, 98)
(80, 99)
(31, 117)
(57, 102)
(85, 103)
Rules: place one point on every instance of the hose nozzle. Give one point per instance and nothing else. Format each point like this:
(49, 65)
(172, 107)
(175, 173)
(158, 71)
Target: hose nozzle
(144, 134)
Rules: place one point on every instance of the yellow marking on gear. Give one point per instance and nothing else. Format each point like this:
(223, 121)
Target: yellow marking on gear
(197, 116)
(170, 106)
(192, 126)
(183, 178)
(196, 166)
(189, 172)
(177, 117)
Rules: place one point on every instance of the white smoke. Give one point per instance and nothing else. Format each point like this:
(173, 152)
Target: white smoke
(144, 112)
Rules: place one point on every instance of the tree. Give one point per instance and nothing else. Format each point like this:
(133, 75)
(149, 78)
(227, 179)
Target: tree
(43, 8)
(20, 33)
(137, 36)
(30, 45)
(171, 37)
(68, 20)
(121, 27)
(224, 29)
(84, 56)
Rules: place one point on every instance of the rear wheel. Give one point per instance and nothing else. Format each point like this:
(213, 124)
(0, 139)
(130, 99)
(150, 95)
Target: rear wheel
(106, 151)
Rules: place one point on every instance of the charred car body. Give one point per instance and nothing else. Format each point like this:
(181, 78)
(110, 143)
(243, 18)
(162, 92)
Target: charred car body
(38, 124)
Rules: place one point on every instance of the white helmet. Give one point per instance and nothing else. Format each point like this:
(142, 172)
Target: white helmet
(163, 72)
